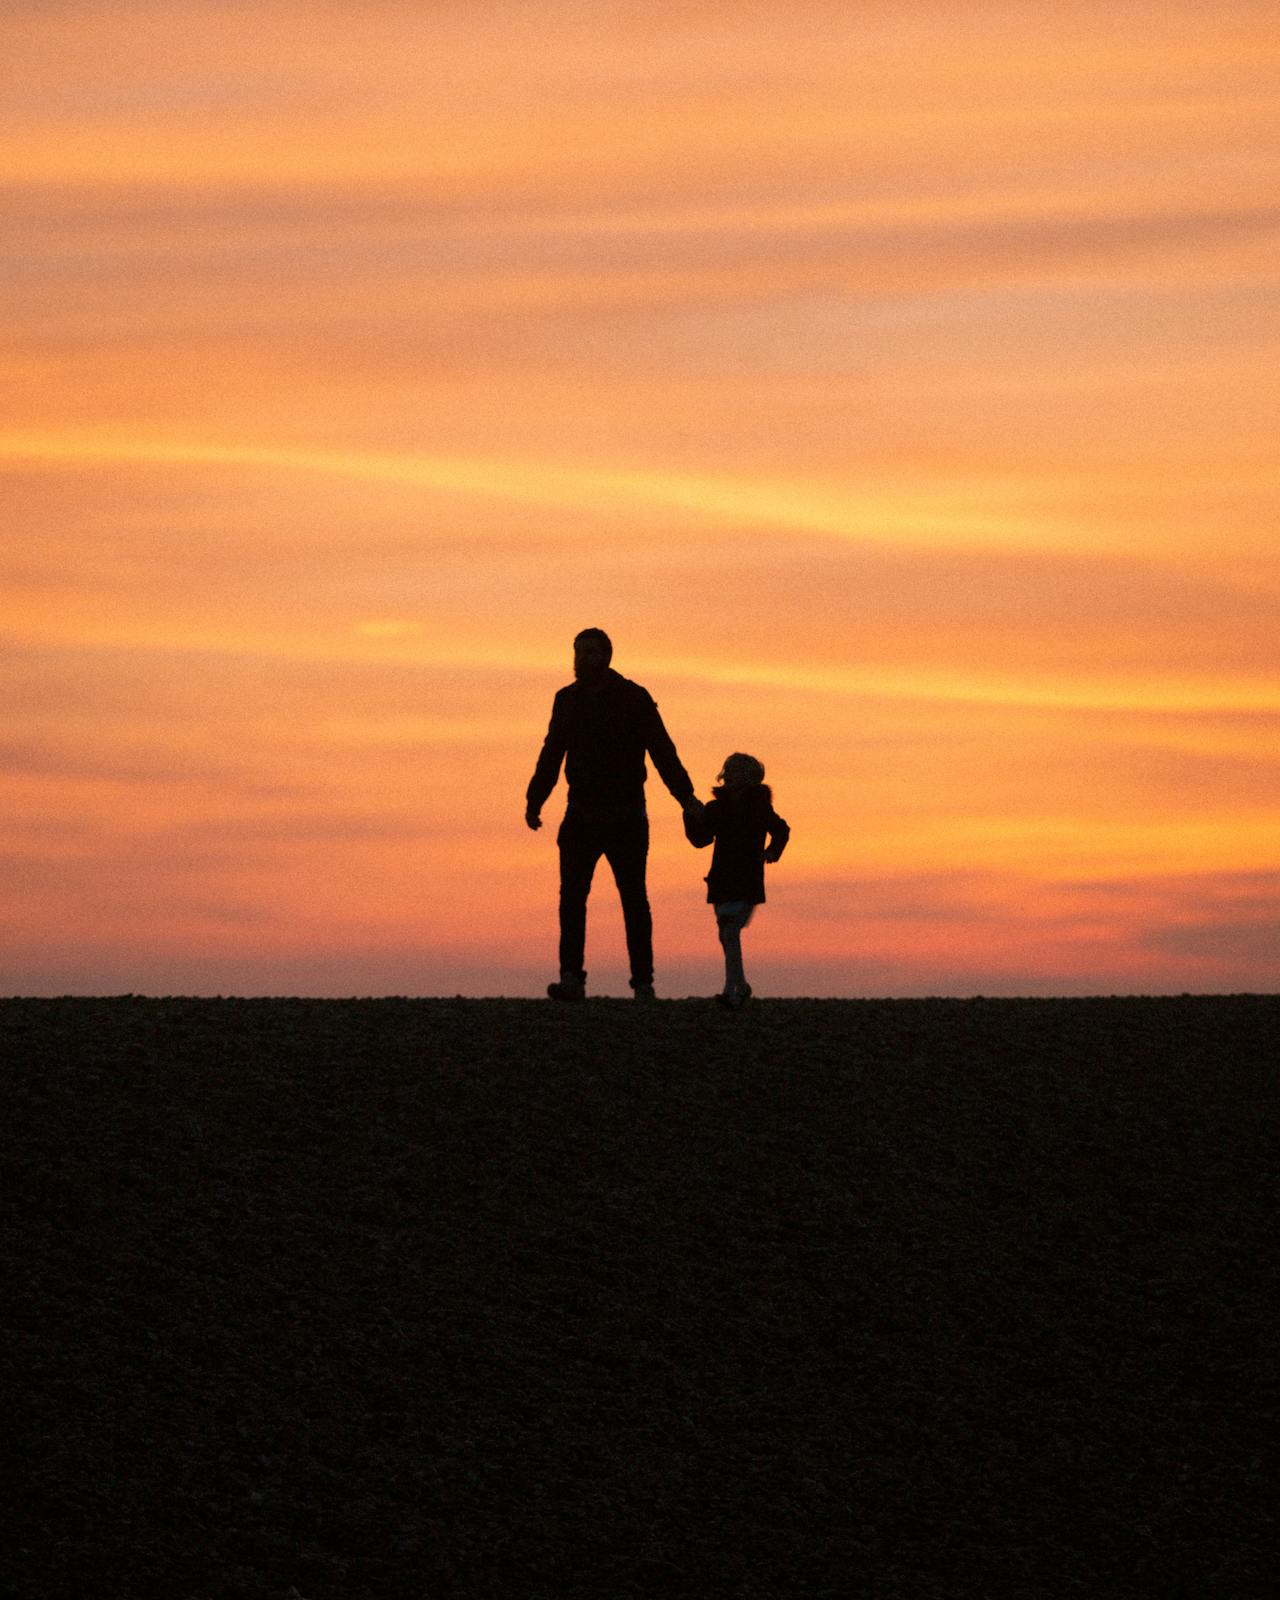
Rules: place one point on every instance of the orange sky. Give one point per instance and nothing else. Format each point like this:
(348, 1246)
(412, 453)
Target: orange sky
(896, 384)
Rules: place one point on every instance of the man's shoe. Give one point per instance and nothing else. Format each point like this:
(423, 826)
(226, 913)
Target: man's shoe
(567, 989)
(643, 991)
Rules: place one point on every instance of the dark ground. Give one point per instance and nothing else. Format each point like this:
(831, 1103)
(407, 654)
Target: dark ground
(488, 1298)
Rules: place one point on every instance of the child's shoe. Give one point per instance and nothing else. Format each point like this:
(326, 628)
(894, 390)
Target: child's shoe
(734, 999)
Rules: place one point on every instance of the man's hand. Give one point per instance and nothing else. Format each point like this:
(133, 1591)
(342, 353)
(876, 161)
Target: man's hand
(532, 820)
(692, 807)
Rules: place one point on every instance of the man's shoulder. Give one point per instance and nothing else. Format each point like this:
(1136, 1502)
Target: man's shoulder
(614, 685)
(613, 681)
(625, 688)
(627, 698)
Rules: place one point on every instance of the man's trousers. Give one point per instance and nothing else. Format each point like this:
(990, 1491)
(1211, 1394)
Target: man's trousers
(621, 835)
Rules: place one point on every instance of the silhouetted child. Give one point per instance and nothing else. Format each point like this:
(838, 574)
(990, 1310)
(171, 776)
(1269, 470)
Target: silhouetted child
(747, 832)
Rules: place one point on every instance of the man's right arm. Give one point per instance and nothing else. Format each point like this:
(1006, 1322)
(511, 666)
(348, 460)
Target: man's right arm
(547, 770)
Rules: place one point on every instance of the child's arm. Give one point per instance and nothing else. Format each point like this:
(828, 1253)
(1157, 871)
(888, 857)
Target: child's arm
(779, 833)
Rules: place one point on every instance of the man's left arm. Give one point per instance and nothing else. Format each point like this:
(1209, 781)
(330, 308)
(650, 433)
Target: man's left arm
(665, 760)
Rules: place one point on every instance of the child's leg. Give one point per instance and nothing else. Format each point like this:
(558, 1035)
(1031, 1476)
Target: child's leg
(731, 944)
(731, 918)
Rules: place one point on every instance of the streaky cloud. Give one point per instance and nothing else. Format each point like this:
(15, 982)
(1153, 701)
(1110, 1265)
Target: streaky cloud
(896, 517)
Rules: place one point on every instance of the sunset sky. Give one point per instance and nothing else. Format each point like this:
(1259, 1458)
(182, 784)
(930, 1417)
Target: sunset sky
(895, 382)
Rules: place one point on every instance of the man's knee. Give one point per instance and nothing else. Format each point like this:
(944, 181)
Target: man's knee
(634, 895)
(573, 895)
(576, 873)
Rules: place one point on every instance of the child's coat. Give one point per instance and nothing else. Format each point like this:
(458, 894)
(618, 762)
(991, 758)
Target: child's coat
(747, 832)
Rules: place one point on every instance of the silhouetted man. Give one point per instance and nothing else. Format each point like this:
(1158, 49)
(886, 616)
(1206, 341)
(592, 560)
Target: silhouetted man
(602, 725)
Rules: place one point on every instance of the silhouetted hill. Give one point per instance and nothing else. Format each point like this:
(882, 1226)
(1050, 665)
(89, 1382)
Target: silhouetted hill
(491, 1298)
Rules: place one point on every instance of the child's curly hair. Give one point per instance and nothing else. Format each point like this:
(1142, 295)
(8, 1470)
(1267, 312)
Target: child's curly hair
(748, 770)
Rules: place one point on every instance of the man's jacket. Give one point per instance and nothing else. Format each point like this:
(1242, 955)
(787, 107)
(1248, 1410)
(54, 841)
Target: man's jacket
(602, 733)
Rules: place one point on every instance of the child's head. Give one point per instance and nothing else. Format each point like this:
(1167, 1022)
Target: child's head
(741, 772)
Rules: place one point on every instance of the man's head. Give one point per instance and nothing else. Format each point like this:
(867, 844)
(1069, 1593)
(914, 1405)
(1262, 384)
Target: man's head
(592, 653)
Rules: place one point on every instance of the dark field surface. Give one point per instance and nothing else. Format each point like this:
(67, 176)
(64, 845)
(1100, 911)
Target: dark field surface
(483, 1298)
